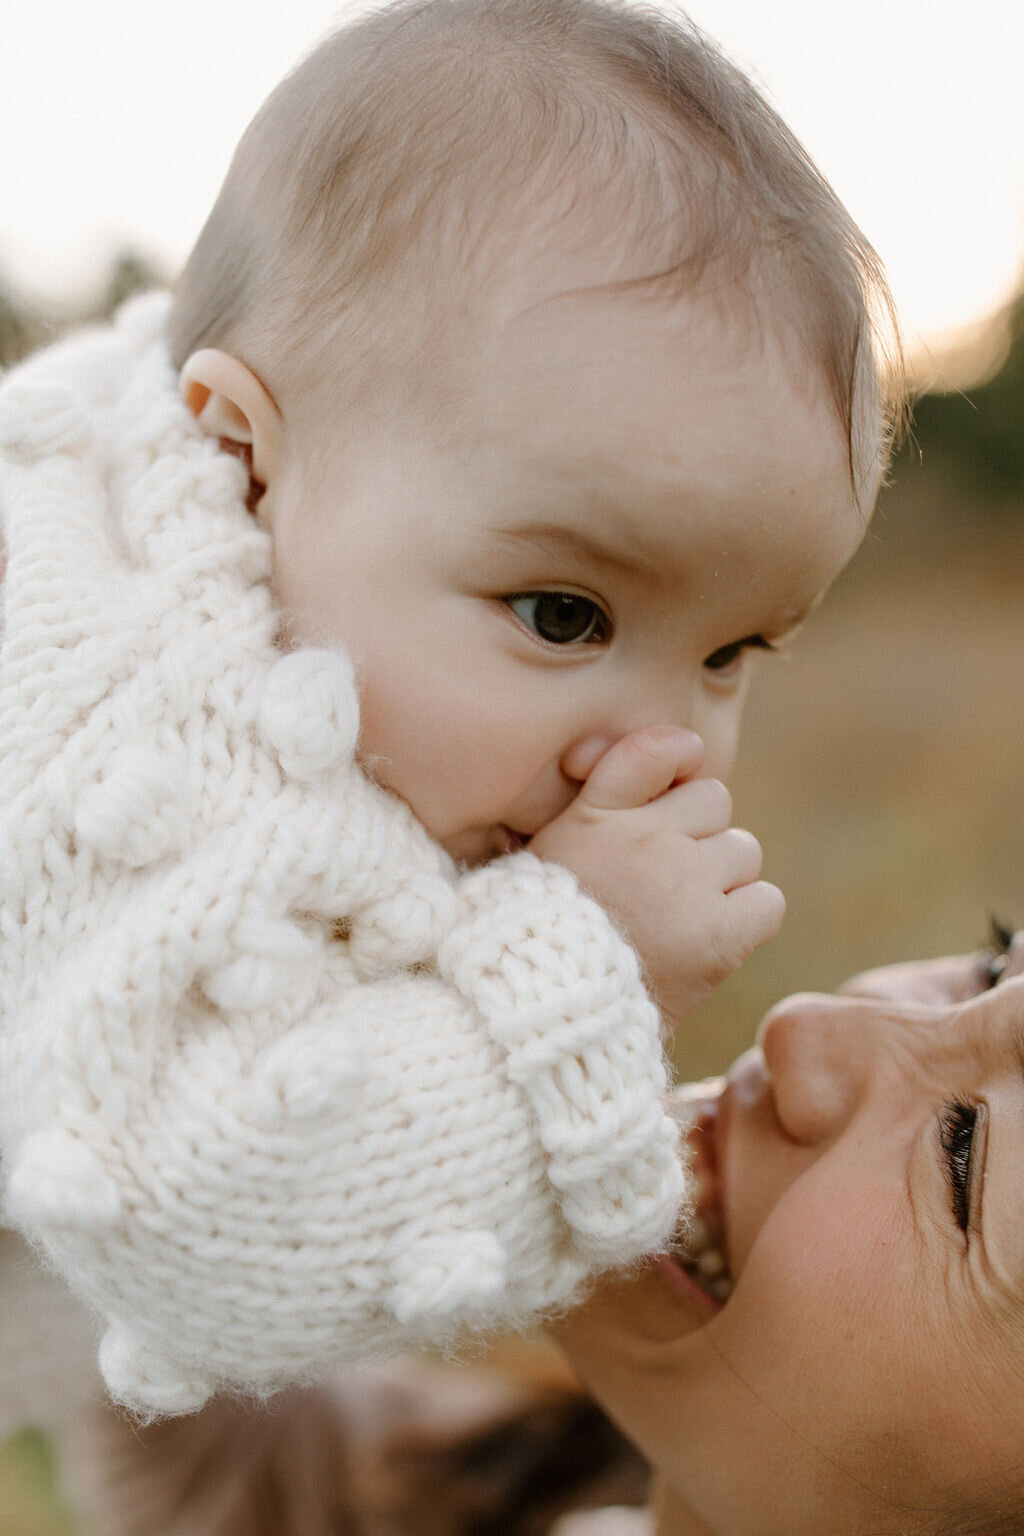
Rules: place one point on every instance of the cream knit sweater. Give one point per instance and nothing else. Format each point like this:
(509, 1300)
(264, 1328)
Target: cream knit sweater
(280, 1087)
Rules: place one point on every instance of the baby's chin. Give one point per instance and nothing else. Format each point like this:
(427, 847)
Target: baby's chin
(480, 845)
(468, 846)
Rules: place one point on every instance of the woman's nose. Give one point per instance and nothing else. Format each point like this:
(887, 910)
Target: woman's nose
(820, 1053)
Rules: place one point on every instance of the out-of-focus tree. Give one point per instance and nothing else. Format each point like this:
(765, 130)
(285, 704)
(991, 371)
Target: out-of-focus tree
(21, 329)
(24, 326)
(973, 438)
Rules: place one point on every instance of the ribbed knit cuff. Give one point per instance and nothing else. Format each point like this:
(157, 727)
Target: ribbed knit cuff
(560, 990)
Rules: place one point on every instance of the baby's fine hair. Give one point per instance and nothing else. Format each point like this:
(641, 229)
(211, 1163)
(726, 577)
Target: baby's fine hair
(367, 192)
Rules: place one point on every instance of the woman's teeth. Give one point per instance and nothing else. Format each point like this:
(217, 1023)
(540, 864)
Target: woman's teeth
(699, 1251)
(701, 1248)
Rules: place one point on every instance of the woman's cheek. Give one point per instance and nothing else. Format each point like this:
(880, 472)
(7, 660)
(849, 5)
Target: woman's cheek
(815, 1309)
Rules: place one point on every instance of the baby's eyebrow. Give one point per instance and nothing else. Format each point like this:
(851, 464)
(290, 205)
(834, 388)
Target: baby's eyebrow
(587, 545)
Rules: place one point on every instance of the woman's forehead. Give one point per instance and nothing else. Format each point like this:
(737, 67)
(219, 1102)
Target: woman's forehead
(990, 1026)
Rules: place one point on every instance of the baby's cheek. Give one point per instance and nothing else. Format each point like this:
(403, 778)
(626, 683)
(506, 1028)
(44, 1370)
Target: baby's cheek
(719, 729)
(431, 745)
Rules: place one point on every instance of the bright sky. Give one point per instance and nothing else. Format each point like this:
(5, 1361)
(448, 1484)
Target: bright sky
(118, 118)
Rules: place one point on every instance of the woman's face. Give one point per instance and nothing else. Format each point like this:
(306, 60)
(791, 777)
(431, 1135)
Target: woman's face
(867, 1372)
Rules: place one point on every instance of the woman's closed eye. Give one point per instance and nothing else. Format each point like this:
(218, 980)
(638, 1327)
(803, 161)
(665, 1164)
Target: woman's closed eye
(957, 1124)
(728, 658)
(959, 1121)
(561, 618)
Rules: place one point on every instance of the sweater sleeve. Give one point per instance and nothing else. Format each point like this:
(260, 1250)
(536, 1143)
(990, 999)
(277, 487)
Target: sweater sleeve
(561, 992)
(247, 1197)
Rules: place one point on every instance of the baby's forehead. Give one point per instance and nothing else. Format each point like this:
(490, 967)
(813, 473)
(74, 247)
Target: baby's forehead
(624, 428)
(560, 310)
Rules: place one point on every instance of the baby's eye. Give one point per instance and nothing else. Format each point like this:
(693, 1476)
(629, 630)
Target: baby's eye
(561, 618)
(727, 657)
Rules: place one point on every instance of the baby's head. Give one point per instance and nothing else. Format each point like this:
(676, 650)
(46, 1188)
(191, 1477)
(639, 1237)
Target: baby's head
(560, 370)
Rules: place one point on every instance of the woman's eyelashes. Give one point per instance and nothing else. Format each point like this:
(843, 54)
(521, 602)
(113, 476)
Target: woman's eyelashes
(956, 1134)
(561, 618)
(728, 657)
(996, 957)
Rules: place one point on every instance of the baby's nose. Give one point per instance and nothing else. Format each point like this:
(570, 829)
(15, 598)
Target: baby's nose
(582, 756)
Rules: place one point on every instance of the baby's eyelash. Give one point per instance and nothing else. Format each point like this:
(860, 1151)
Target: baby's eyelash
(726, 655)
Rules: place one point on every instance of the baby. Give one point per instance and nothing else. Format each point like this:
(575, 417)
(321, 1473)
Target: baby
(379, 617)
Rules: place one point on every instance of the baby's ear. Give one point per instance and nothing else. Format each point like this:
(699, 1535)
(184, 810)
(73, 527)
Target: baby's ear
(230, 403)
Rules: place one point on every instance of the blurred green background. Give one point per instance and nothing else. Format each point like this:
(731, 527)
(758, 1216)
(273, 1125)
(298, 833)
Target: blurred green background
(882, 761)
(882, 764)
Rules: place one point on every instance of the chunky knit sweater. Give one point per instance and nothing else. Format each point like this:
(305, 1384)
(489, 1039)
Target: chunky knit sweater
(280, 1086)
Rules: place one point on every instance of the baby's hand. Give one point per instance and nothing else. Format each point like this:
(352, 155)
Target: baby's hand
(654, 846)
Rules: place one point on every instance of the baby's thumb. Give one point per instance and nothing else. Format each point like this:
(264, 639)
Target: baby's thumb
(640, 767)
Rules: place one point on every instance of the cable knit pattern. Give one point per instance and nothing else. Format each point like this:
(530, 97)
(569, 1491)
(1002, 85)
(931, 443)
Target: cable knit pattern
(279, 1085)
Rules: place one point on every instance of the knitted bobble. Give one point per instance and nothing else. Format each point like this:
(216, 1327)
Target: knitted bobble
(403, 929)
(446, 1276)
(39, 420)
(309, 1075)
(263, 968)
(139, 810)
(148, 1383)
(57, 1181)
(309, 712)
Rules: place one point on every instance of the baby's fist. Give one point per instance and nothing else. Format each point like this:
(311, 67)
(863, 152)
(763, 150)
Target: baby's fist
(654, 845)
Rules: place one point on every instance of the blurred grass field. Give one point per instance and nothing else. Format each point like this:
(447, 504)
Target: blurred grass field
(30, 1503)
(881, 768)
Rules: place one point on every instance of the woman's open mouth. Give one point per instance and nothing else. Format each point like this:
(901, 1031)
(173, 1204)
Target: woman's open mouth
(701, 1251)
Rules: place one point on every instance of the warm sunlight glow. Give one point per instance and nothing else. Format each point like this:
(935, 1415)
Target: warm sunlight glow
(117, 121)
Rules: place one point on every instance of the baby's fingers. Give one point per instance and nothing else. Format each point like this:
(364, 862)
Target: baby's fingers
(702, 808)
(756, 912)
(640, 767)
(735, 856)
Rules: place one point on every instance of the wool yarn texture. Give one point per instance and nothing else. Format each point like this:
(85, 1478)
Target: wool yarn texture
(281, 1087)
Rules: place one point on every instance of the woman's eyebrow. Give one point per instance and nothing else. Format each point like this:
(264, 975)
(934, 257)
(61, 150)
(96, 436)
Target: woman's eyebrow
(1017, 1041)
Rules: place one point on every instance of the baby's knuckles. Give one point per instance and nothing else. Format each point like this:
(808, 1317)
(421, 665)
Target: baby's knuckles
(712, 939)
(668, 898)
